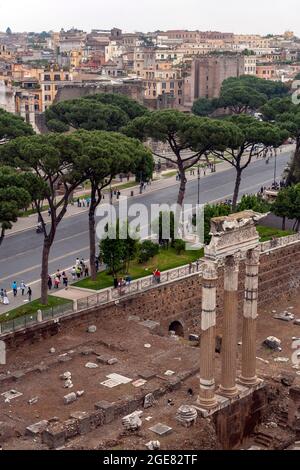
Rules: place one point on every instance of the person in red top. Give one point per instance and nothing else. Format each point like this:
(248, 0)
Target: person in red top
(157, 276)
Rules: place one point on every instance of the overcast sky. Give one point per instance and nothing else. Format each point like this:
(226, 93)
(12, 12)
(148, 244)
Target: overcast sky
(238, 16)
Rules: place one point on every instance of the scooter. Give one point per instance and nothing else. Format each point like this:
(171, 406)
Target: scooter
(39, 229)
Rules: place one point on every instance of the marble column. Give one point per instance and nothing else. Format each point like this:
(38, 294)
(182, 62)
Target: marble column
(230, 322)
(207, 397)
(248, 376)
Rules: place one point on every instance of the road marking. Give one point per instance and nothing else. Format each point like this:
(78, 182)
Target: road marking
(39, 265)
(54, 243)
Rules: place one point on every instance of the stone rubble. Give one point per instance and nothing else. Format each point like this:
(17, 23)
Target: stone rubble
(92, 329)
(153, 445)
(70, 398)
(273, 343)
(133, 421)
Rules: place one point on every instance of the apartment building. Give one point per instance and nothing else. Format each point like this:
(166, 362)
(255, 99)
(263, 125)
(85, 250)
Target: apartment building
(50, 80)
(163, 79)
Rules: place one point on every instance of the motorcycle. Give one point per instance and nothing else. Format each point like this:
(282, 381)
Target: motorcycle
(39, 229)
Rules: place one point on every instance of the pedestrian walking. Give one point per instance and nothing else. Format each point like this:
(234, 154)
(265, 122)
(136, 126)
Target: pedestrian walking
(29, 293)
(22, 288)
(78, 271)
(56, 282)
(5, 298)
(65, 280)
(77, 262)
(1, 295)
(49, 282)
(73, 273)
(14, 287)
(86, 271)
(97, 264)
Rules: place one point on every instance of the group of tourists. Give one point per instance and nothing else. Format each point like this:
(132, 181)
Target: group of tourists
(61, 279)
(58, 280)
(83, 202)
(122, 282)
(16, 287)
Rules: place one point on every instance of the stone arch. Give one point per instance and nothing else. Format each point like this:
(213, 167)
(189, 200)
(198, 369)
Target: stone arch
(177, 326)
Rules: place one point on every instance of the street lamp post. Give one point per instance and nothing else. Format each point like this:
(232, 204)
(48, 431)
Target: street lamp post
(275, 167)
(199, 176)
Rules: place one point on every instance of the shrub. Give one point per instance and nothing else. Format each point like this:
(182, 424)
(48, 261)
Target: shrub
(147, 250)
(179, 246)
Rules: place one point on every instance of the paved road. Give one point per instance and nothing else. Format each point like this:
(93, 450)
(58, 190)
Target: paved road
(20, 254)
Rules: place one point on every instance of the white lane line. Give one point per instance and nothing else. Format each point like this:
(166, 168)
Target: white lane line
(40, 247)
(39, 265)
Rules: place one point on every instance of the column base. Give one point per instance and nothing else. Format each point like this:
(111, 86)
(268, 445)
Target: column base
(249, 381)
(228, 392)
(207, 403)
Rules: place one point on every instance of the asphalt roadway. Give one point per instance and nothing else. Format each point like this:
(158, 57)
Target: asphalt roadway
(20, 253)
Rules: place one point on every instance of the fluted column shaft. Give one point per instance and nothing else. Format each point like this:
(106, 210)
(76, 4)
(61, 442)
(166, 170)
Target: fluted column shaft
(230, 321)
(248, 376)
(207, 397)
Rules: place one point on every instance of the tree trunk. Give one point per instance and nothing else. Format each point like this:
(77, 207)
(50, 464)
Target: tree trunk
(181, 193)
(236, 189)
(45, 271)
(283, 222)
(92, 236)
(2, 233)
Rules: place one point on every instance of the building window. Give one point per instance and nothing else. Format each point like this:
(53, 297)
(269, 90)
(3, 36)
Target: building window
(172, 85)
(47, 78)
(47, 87)
(164, 85)
(57, 78)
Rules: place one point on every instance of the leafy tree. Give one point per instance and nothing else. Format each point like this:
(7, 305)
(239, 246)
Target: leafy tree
(12, 126)
(241, 99)
(131, 107)
(272, 89)
(84, 114)
(286, 114)
(182, 132)
(253, 202)
(256, 138)
(281, 207)
(179, 246)
(241, 95)
(147, 250)
(205, 106)
(117, 252)
(57, 161)
(287, 205)
(8, 31)
(106, 155)
(14, 196)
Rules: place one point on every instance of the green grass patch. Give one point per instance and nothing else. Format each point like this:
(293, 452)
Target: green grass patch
(268, 233)
(165, 260)
(32, 307)
(129, 184)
